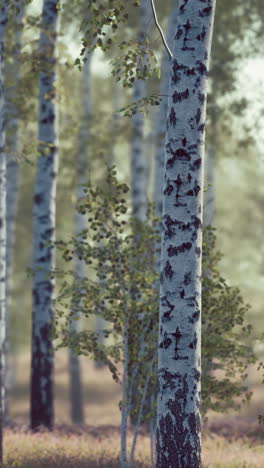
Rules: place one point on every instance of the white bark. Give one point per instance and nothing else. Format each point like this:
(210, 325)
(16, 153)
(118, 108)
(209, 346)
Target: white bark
(162, 115)
(179, 361)
(12, 72)
(209, 208)
(41, 404)
(3, 23)
(138, 162)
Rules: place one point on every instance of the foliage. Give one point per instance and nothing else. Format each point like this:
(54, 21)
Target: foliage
(141, 105)
(121, 285)
(118, 286)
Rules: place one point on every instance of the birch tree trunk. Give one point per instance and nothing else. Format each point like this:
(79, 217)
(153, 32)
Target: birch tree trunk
(3, 23)
(76, 395)
(138, 189)
(12, 73)
(41, 401)
(179, 360)
(162, 115)
(138, 162)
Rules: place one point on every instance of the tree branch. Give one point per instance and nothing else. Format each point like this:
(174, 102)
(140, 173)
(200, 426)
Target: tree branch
(159, 28)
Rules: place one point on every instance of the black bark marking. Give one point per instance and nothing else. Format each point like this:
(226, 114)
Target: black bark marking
(165, 303)
(172, 251)
(201, 68)
(166, 342)
(184, 141)
(178, 97)
(178, 34)
(198, 251)
(196, 165)
(168, 270)
(168, 223)
(205, 12)
(189, 178)
(187, 278)
(198, 115)
(195, 317)
(202, 36)
(39, 198)
(193, 344)
(201, 97)
(172, 117)
(178, 181)
(182, 293)
(180, 154)
(201, 127)
(169, 189)
(196, 222)
(182, 7)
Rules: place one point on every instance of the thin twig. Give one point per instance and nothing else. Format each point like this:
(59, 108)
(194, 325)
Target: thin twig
(159, 28)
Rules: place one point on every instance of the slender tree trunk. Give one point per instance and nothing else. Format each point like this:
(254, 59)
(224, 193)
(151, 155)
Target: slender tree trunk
(41, 402)
(179, 363)
(160, 132)
(116, 119)
(138, 162)
(209, 208)
(76, 395)
(3, 23)
(12, 73)
(138, 185)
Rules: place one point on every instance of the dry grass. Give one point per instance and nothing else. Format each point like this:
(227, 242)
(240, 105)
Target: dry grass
(230, 441)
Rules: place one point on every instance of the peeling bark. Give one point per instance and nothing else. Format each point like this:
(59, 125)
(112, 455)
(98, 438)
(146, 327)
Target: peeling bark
(179, 362)
(41, 400)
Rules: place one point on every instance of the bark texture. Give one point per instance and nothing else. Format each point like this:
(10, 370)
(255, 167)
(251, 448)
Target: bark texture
(179, 362)
(3, 23)
(162, 115)
(41, 401)
(12, 73)
(76, 394)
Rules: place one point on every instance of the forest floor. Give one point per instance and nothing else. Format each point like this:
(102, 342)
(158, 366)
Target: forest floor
(233, 440)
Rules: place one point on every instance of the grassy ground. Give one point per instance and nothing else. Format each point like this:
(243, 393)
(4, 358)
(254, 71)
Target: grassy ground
(233, 441)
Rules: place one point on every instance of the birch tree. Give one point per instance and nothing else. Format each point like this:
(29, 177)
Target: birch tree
(161, 119)
(12, 73)
(138, 163)
(179, 360)
(3, 23)
(41, 402)
(76, 397)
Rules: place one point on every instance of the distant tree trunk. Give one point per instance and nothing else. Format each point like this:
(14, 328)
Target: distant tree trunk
(12, 73)
(3, 23)
(116, 119)
(138, 187)
(138, 162)
(179, 363)
(41, 401)
(209, 208)
(76, 394)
